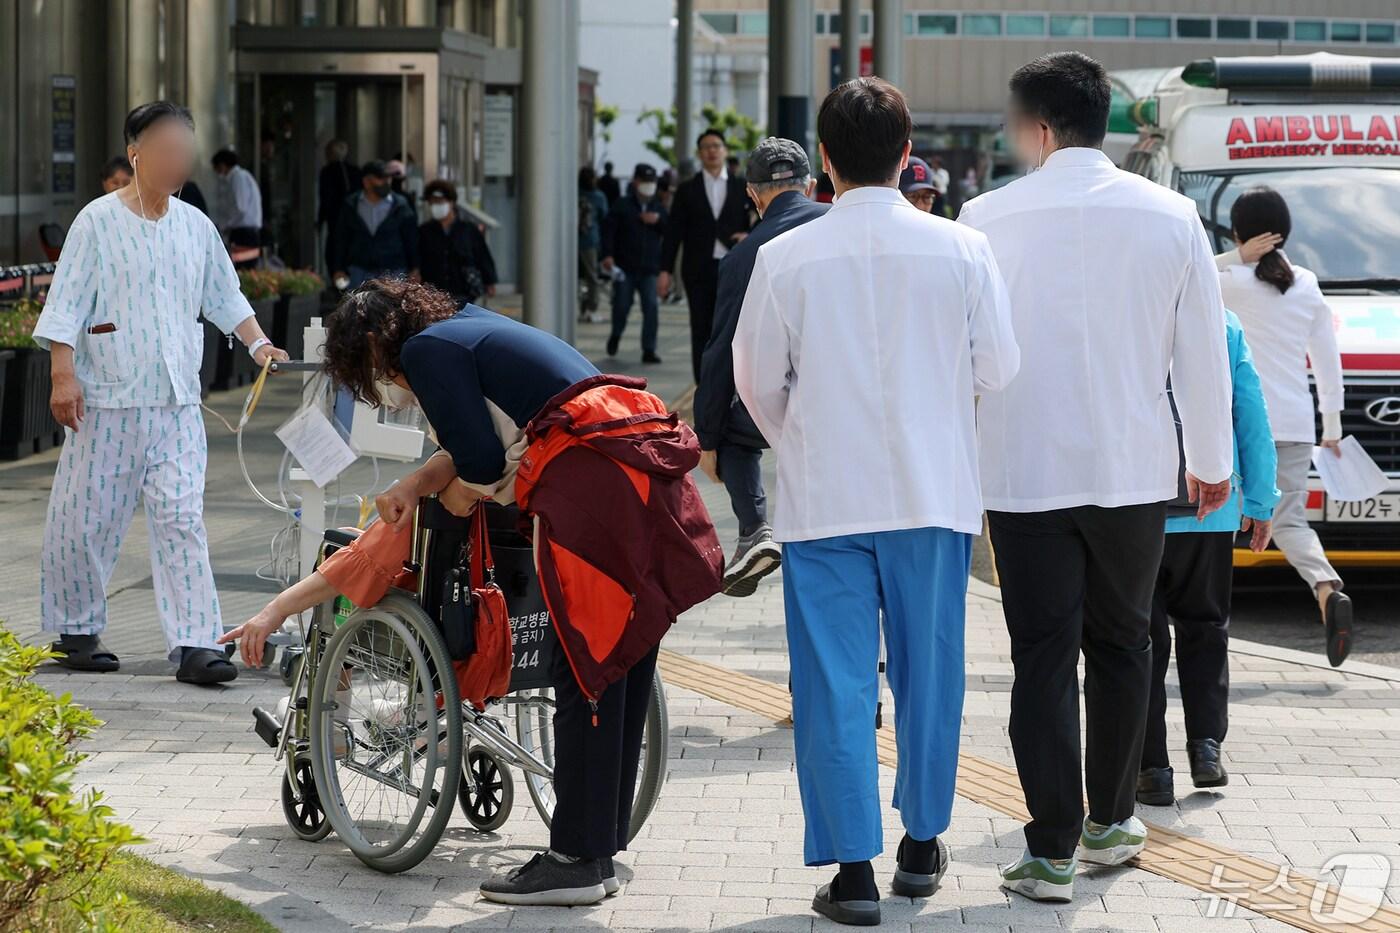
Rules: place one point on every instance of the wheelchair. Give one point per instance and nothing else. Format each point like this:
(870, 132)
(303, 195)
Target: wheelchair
(377, 741)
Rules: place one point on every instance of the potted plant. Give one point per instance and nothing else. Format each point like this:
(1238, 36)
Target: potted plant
(27, 425)
(300, 301)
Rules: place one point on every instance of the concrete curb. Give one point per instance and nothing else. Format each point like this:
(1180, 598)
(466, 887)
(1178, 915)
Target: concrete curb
(1254, 649)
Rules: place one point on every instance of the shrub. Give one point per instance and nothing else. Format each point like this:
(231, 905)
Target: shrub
(257, 284)
(53, 842)
(300, 282)
(17, 323)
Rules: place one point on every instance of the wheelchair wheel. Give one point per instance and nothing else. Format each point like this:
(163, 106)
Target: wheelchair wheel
(534, 728)
(305, 816)
(486, 792)
(386, 734)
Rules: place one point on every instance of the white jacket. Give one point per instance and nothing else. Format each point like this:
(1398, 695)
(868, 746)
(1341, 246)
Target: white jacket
(1112, 283)
(1285, 330)
(863, 338)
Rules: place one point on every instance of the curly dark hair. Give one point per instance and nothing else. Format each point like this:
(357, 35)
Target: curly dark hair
(365, 334)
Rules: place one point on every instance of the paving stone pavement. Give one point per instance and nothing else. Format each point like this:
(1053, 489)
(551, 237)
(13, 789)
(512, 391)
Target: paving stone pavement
(1314, 757)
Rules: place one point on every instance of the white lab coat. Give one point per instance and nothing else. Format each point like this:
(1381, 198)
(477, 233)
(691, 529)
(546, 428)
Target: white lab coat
(1112, 282)
(1285, 330)
(863, 338)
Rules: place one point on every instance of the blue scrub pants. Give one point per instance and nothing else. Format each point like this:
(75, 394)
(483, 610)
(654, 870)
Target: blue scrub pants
(835, 590)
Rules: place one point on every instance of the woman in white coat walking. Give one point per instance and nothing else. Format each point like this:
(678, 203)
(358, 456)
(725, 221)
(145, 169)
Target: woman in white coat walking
(1288, 324)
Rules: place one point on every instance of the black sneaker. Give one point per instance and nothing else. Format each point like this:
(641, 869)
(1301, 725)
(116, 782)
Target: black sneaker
(1206, 768)
(921, 878)
(1156, 787)
(547, 881)
(610, 883)
(860, 913)
(612, 345)
(650, 357)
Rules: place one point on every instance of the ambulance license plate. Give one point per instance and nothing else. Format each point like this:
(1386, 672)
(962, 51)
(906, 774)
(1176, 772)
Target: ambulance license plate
(1382, 508)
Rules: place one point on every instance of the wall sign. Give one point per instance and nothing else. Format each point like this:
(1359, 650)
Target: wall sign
(498, 135)
(64, 119)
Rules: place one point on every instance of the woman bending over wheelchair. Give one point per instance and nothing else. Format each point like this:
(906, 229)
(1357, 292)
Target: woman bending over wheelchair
(623, 543)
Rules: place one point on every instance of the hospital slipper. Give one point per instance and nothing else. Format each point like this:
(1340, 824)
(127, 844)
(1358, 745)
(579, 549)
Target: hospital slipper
(859, 908)
(204, 666)
(85, 653)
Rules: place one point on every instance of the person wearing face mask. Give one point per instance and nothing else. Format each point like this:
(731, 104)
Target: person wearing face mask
(632, 241)
(1112, 284)
(376, 232)
(335, 182)
(863, 339)
(518, 413)
(452, 251)
(121, 324)
(780, 185)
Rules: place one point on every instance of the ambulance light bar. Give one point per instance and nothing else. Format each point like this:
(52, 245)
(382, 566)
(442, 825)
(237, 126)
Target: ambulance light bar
(1320, 72)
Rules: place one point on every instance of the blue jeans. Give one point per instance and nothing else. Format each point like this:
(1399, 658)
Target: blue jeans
(836, 590)
(644, 286)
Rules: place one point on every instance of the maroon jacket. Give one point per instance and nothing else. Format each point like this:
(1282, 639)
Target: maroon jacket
(623, 542)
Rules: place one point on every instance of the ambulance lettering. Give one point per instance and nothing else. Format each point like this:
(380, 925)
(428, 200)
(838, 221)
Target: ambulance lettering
(1316, 136)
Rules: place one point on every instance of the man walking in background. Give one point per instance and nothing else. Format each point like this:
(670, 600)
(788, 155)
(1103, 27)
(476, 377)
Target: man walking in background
(780, 185)
(336, 181)
(240, 213)
(376, 233)
(708, 218)
(1111, 279)
(863, 338)
(632, 239)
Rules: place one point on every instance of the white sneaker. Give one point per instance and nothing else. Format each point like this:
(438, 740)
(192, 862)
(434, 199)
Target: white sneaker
(1113, 844)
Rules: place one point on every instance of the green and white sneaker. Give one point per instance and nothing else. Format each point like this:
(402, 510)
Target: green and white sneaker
(1113, 844)
(1041, 879)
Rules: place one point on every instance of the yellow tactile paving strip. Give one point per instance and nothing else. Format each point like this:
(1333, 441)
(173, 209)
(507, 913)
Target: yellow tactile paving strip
(1263, 887)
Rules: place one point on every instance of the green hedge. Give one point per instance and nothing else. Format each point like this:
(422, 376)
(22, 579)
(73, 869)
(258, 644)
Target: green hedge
(53, 841)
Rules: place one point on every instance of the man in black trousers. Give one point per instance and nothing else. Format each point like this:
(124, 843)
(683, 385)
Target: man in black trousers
(708, 218)
(780, 185)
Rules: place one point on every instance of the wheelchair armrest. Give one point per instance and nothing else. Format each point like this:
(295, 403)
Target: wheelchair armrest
(339, 537)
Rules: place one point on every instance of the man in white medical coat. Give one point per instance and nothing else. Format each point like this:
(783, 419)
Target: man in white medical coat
(1112, 283)
(863, 338)
(122, 324)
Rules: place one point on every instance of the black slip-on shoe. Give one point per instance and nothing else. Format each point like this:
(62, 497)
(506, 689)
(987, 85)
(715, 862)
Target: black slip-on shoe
(910, 880)
(1156, 787)
(547, 881)
(1338, 620)
(205, 666)
(85, 653)
(852, 913)
(1207, 770)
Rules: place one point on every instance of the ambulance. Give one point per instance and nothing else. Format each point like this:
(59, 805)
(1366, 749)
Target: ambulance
(1324, 131)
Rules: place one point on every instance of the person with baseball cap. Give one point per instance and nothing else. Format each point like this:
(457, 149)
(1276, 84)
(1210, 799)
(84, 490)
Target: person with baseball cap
(916, 184)
(780, 185)
(632, 238)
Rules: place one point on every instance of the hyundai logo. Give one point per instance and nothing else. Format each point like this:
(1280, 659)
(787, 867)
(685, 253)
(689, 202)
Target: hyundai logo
(1385, 411)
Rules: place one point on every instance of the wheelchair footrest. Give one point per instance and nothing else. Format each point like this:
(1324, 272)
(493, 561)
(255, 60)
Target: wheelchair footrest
(266, 726)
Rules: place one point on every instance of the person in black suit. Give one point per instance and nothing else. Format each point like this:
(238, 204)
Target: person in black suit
(780, 185)
(708, 218)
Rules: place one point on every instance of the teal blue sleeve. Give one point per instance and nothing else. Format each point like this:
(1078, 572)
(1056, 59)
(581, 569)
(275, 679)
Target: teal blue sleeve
(1258, 460)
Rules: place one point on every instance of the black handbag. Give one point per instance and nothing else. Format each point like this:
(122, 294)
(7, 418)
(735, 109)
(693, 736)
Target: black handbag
(457, 614)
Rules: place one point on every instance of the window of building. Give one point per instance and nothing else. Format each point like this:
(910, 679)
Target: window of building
(981, 24)
(937, 24)
(1272, 29)
(1346, 32)
(1112, 27)
(1025, 24)
(822, 25)
(1310, 30)
(1153, 27)
(1381, 32)
(1193, 27)
(1069, 25)
(753, 24)
(909, 24)
(1231, 28)
(724, 23)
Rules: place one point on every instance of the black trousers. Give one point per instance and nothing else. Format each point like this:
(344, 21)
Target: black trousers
(741, 471)
(701, 285)
(1072, 580)
(1192, 596)
(595, 766)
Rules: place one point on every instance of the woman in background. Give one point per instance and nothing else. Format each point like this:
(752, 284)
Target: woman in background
(1288, 323)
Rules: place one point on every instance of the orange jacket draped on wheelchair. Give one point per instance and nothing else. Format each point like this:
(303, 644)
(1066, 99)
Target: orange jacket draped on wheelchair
(623, 542)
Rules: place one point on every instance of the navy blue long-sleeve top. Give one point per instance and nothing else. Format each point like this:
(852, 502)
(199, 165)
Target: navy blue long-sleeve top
(479, 374)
